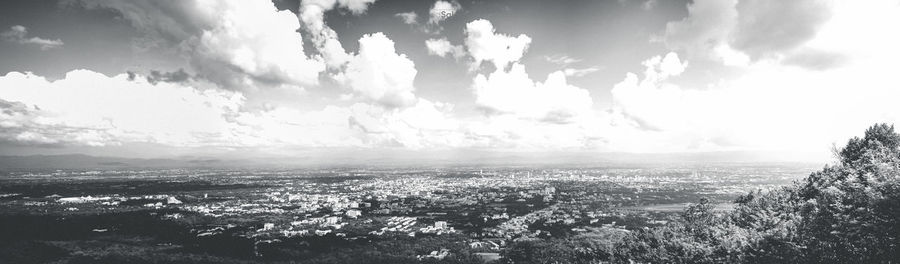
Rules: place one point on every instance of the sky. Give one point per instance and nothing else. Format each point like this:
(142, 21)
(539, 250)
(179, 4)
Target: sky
(160, 78)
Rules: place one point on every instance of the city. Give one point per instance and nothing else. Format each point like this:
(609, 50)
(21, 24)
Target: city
(456, 213)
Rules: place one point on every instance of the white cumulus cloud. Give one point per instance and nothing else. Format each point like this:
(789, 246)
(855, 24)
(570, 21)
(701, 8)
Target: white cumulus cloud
(553, 101)
(89, 108)
(325, 39)
(484, 44)
(442, 10)
(380, 74)
(442, 47)
(259, 40)
(771, 105)
(512, 91)
(238, 44)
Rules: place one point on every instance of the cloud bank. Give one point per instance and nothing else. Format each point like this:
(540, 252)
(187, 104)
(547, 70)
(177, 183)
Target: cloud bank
(788, 85)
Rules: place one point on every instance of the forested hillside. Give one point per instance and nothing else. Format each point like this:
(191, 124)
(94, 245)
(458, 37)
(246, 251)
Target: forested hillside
(847, 212)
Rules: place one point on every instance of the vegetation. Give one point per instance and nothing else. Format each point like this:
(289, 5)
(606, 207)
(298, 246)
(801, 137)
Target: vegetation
(849, 212)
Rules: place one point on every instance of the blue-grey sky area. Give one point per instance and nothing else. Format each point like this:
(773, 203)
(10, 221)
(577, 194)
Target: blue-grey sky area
(279, 78)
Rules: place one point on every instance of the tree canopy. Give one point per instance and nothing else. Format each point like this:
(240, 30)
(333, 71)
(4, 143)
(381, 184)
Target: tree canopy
(848, 212)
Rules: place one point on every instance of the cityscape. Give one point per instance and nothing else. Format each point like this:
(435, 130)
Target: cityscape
(319, 214)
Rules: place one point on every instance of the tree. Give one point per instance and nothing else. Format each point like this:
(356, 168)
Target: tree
(538, 251)
(848, 212)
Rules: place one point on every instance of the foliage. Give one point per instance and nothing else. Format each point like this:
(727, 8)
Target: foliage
(538, 251)
(849, 212)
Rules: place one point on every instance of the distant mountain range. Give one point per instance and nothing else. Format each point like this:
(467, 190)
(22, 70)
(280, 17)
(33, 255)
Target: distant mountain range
(399, 159)
(81, 161)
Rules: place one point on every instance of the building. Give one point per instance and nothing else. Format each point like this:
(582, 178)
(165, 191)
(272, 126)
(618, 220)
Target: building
(353, 213)
(172, 200)
(440, 224)
(332, 220)
(549, 191)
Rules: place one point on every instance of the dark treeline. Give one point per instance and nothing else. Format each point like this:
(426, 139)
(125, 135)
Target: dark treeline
(848, 212)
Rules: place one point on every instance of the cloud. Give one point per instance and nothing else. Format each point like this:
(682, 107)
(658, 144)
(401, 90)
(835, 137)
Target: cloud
(20, 125)
(815, 59)
(284, 127)
(68, 112)
(573, 72)
(770, 106)
(799, 92)
(512, 91)
(325, 39)
(258, 40)
(89, 108)
(639, 99)
(565, 60)
(707, 26)
(515, 134)
(19, 34)
(442, 10)
(157, 76)
(179, 109)
(561, 59)
(484, 44)
(408, 18)
(356, 6)
(649, 4)
(767, 27)
(757, 29)
(380, 74)
(442, 47)
(425, 125)
(839, 88)
(164, 24)
(86, 108)
(237, 44)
